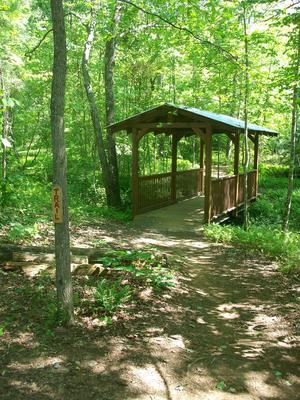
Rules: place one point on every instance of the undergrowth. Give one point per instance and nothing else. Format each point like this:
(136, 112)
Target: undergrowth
(105, 297)
(271, 242)
(265, 234)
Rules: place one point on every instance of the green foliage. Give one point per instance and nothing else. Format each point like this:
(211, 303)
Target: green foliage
(274, 170)
(18, 232)
(268, 209)
(143, 266)
(110, 295)
(221, 385)
(269, 241)
(2, 329)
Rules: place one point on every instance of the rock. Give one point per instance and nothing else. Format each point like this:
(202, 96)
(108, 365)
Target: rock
(88, 269)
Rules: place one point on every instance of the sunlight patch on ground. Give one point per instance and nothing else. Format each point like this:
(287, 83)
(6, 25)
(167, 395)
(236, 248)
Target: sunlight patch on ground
(37, 363)
(256, 382)
(149, 378)
(200, 321)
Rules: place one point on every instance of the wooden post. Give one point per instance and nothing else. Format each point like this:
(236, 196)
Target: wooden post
(236, 164)
(174, 167)
(208, 163)
(255, 162)
(135, 171)
(201, 163)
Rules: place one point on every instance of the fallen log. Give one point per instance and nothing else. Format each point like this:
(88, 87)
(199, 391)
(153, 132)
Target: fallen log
(7, 250)
(45, 257)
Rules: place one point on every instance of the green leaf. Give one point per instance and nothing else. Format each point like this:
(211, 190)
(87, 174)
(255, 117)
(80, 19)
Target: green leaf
(221, 385)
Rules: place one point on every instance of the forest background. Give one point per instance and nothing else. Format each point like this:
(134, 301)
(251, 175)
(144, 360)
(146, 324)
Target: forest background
(145, 53)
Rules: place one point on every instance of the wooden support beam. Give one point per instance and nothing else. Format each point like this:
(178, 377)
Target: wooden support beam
(252, 138)
(202, 145)
(208, 165)
(135, 171)
(201, 164)
(200, 133)
(255, 162)
(179, 136)
(231, 136)
(170, 125)
(236, 154)
(175, 140)
(236, 165)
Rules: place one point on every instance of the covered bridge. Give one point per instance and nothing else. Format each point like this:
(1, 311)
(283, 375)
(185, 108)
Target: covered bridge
(221, 194)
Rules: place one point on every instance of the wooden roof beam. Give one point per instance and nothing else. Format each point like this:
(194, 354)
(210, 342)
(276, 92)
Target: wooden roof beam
(170, 125)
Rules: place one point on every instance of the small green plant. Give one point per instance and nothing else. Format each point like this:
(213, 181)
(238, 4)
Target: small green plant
(18, 231)
(2, 330)
(144, 266)
(107, 320)
(221, 385)
(111, 294)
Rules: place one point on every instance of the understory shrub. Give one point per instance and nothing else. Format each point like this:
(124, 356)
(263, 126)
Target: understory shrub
(111, 294)
(145, 267)
(272, 242)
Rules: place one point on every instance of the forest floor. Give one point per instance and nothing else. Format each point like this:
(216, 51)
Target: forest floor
(229, 330)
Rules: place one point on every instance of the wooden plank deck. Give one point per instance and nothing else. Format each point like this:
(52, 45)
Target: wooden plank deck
(185, 216)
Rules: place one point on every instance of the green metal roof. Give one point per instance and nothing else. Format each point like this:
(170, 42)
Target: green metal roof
(218, 121)
(227, 120)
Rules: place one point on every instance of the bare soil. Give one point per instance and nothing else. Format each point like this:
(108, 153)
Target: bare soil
(228, 330)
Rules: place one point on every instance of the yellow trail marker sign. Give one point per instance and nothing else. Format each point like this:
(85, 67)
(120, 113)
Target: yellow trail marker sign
(57, 210)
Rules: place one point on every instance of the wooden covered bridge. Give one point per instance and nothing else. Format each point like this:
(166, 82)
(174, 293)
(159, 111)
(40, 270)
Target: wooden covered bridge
(221, 194)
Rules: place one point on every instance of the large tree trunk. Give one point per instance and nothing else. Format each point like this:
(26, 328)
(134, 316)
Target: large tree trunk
(110, 49)
(62, 238)
(246, 144)
(106, 173)
(288, 203)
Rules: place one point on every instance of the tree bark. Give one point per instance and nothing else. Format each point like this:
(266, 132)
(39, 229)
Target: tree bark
(110, 49)
(288, 202)
(94, 111)
(246, 99)
(62, 238)
(5, 126)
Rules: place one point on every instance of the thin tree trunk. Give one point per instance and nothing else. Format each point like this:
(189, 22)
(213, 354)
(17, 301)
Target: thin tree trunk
(62, 238)
(5, 126)
(110, 49)
(246, 99)
(288, 202)
(5, 132)
(106, 174)
(174, 80)
(229, 143)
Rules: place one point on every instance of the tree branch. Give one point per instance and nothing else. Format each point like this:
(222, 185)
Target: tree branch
(29, 52)
(204, 42)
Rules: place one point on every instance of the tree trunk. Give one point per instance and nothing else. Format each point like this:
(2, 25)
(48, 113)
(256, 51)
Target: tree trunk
(106, 173)
(62, 238)
(288, 203)
(109, 60)
(246, 144)
(5, 126)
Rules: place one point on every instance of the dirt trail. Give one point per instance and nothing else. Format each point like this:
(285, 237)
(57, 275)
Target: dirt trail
(227, 331)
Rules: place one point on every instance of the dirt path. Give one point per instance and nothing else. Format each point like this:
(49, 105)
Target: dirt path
(227, 331)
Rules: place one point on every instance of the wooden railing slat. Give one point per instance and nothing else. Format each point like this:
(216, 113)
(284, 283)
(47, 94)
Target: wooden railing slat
(224, 192)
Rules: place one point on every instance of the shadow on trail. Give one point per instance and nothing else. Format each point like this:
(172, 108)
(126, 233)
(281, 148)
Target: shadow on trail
(227, 331)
